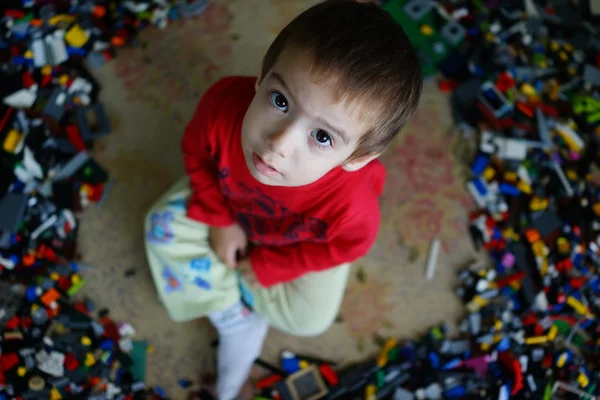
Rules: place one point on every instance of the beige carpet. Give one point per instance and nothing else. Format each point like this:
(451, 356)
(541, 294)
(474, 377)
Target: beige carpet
(150, 92)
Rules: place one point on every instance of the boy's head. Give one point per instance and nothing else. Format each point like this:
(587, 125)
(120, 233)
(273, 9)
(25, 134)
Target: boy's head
(336, 87)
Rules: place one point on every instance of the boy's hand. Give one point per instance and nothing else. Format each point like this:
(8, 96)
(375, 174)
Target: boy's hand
(246, 270)
(227, 242)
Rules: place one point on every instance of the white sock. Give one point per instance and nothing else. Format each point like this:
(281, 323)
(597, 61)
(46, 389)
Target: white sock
(241, 337)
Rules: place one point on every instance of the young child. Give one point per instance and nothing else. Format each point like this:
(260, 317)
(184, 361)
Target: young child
(282, 183)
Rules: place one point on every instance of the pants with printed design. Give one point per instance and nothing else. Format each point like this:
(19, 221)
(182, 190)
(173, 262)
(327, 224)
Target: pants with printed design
(192, 281)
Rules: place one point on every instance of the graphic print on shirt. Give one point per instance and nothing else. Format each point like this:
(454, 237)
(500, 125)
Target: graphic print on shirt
(267, 221)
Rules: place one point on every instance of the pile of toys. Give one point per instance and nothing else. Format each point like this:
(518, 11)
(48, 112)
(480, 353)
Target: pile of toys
(52, 347)
(524, 78)
(525, 82)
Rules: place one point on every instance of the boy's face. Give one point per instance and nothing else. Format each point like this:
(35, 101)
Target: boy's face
(295, 131)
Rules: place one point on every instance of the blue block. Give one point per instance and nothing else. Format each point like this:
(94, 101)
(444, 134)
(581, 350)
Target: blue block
(290, 365)
(74, 267)
(509, 190)
(160, 391)
(504, 344)
(30, 293)
(451, 364)
(480, 187)
(456, 392)
(76, 51)
(479, 165)
(434, 359)
(107, 345)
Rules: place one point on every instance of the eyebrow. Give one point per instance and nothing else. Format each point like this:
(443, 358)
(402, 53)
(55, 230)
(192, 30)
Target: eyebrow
(339, 132)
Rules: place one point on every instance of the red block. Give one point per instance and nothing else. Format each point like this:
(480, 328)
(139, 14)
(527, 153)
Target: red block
(70, 362)
(13, 323)
(8, 361)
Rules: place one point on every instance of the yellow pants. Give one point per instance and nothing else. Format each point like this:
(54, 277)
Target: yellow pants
(192, 281)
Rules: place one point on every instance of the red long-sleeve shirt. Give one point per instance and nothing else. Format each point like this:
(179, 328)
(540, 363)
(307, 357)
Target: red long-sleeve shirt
(329, 222)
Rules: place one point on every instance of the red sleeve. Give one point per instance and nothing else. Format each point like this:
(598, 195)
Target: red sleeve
(200, 149)
(352, 240)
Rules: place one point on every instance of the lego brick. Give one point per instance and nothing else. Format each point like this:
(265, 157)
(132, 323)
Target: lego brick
(13, 207)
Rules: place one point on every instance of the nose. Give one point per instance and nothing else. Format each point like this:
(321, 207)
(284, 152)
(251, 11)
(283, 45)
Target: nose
(282, 142)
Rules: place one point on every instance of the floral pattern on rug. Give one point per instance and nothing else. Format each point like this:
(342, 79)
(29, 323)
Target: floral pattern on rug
(174, 66)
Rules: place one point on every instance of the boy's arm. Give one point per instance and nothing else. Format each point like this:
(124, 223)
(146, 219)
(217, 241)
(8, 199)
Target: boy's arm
(279, 264)
(207, 203)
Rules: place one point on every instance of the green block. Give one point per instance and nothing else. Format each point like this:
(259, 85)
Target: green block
(380, 378)
(430, 49)
(75, 288)
(138, 355)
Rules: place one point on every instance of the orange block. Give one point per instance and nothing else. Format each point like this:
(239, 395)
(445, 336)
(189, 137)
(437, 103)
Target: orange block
(532, 235)
(50, 297)
(99, 11)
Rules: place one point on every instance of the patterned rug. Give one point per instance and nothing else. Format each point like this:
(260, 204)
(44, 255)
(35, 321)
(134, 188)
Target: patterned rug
(150, 92)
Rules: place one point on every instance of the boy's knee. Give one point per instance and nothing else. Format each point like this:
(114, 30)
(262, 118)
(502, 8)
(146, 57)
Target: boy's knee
(313, 322)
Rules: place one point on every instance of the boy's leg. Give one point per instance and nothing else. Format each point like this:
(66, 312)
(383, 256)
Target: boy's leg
(306, 306)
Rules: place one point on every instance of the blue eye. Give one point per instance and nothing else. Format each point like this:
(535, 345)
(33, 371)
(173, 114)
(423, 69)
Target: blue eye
(278, 101)
(322, 138)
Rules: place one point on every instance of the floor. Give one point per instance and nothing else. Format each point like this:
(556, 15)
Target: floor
(150, 92)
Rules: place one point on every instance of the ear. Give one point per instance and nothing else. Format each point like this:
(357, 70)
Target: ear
(358, 163)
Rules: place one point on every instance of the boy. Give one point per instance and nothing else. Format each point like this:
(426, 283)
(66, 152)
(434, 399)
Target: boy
(283, 182)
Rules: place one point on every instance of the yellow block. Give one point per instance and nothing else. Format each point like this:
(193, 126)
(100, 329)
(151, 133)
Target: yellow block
(303, 364)
(498, 325)
(554, 46)
(561, 360)
(150, 349)
(563, 56)
(552, 332)
(12, 141)
(510, 176)
(536, 339)
(583, 380)
(539, 248)
(46, 70)
(76, 36)
(28, 54)
(370, 391)
(528, 90)
(63, 79)
(538, 204)
(382, 359)
(596, 208)
(54, 276)
(75, 279)
(577, 305)
(86, 341)
(524, 187)
(21, 371)
(55, 394)
(426, 30)
(571, 174)
(89, 360)
(67, 19)
(544, 267)
(489, 173)
(563, 245)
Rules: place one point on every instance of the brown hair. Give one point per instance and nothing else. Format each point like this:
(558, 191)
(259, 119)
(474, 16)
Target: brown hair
(359, 47)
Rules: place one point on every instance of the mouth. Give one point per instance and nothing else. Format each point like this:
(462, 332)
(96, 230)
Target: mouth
(262, 167)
